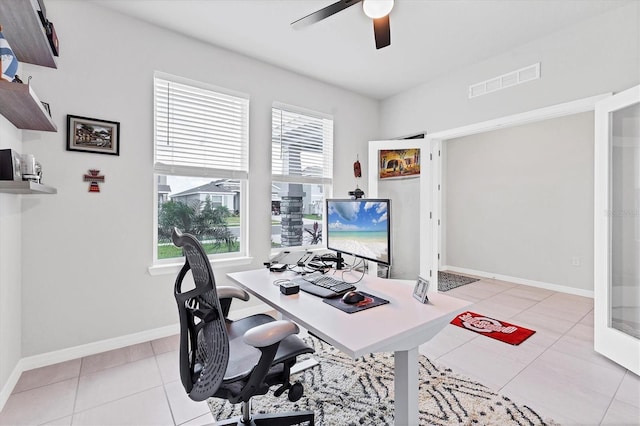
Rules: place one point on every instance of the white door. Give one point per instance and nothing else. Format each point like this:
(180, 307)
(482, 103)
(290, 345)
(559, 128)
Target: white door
(617, 229)
(410, 205)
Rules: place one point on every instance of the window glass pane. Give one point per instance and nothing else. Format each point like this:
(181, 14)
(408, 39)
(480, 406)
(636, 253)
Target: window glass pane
(196, 127)
(296, 214)
(301, 145)
(208, 209)
(302, 173)
(201, 163)
(624, 296)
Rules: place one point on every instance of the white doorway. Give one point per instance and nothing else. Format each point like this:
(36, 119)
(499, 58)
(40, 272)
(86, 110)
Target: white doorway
(433, 219)
(617, 229)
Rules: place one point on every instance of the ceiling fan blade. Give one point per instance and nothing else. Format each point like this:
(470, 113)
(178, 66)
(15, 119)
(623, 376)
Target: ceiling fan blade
(382, 32)
(324, 13)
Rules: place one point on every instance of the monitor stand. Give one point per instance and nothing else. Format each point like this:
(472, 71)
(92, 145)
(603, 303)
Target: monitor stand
(339, 261)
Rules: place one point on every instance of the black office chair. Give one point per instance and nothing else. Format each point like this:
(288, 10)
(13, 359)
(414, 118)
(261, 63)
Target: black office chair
(232, 360)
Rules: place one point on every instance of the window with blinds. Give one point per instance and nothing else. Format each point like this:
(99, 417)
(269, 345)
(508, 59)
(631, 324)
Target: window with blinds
(200, 166)
(200, 131)
(302, 174)
(301, 146)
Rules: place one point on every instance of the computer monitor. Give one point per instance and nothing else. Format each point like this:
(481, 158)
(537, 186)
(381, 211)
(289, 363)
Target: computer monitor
(360, 228)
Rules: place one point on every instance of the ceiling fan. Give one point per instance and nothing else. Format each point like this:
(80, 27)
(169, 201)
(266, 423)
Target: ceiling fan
(377, 10)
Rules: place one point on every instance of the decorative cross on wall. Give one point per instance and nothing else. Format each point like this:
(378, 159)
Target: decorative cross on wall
(94, 177)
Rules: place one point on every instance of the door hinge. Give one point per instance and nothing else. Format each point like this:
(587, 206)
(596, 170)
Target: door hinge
(430, 273)
(438, 256)
(430, 156)
(438, 222)
(430, 215)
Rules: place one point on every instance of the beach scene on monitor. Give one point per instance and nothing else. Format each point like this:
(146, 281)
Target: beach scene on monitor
(360, 228)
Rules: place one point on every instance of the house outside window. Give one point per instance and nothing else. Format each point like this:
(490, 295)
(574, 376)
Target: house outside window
(200, 166)
(302, 173)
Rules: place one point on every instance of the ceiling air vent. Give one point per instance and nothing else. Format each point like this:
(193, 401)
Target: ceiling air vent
(513, 78)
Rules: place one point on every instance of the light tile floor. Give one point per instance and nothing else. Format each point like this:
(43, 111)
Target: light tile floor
(556, 371)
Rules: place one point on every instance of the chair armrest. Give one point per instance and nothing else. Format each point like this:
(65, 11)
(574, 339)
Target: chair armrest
(270, 333)
(225, 292)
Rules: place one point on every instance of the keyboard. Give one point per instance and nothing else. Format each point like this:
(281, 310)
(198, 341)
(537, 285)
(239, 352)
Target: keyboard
(323, 285)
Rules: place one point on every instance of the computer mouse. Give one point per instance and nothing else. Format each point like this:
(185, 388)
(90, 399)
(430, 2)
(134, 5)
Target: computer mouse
(352, 297)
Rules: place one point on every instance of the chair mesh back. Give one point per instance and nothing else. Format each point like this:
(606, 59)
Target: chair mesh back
(204, 344)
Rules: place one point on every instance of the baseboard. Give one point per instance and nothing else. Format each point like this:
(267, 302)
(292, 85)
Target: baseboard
(10, 384)
(49, 358)
(62, 355)
(67, 354)
(524, 281)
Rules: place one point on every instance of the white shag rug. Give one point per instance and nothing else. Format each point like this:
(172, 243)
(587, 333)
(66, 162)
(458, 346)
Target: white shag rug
(342, 392)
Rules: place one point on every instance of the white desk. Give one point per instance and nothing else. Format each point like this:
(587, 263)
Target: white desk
(399, 326)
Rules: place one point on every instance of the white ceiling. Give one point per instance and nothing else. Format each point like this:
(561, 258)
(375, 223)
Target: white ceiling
(429, 38)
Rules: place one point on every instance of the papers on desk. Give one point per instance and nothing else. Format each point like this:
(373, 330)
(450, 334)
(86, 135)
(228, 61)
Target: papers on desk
(370, 301)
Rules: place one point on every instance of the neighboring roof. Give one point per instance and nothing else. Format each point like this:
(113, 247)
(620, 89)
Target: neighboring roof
(213, 187)
(164, 189)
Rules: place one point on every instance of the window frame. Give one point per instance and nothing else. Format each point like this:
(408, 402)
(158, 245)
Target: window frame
(162, 169)
(325, 181)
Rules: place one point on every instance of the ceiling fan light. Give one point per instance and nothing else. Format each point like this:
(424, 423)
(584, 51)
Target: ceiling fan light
(376, 9)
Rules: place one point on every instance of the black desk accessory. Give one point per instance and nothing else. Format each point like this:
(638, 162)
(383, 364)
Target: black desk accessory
(287, 288)
(277, 267)
(370, 301)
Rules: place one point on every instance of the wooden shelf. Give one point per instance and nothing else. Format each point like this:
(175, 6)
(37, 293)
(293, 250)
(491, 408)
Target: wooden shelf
(25, 187)
(20, 105)
(22, 28)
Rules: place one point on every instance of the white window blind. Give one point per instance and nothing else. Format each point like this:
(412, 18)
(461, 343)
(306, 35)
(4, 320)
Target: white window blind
(199, 131)
(301, 147)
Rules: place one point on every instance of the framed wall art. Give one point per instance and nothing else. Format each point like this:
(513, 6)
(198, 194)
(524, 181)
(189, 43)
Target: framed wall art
(398, 163)
(93, 135)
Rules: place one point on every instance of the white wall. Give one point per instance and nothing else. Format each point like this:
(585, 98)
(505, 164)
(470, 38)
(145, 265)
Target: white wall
(10, 266)
(520, 201)
(86, 255)
(597, 56)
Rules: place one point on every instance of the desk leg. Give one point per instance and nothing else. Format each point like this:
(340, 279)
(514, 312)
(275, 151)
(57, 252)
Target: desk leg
(406, 387)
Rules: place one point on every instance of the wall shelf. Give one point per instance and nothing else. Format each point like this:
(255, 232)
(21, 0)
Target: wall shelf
(20, 105)
(25, 187)
(22, 28)
(25, 34)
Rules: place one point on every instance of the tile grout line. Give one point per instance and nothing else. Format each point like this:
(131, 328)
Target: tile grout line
(164, 390)
(613, 398)
(566, 333)
(75, 398)
(530, 363)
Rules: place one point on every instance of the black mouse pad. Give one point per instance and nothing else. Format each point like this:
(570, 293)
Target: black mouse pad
(369, 301)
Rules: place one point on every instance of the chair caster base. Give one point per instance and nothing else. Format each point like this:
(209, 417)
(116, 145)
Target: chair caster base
(276, 419)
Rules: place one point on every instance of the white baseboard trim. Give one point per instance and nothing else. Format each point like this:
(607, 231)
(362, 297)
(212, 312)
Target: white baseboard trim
(67, 354)
(524, 281)
(62, 355)
(11, 383)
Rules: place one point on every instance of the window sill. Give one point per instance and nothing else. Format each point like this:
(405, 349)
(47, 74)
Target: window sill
(174, 268)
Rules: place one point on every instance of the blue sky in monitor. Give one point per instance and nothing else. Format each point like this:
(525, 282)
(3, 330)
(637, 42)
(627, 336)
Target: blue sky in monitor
(357, 216)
